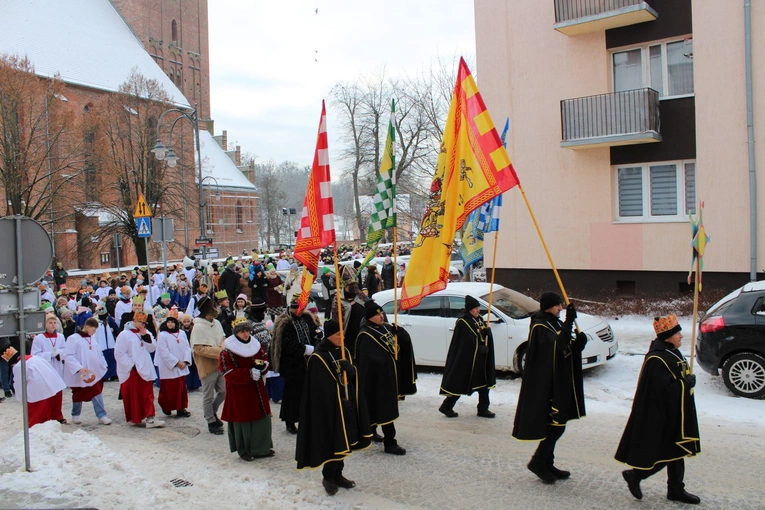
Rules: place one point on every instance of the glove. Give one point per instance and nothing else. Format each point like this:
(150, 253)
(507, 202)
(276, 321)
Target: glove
(308, 350)
(346, 366)
(255, 374)
(54, 353)
(690, 380)
(483, 348)
(570, 313)
(581, 339)
(485, 334)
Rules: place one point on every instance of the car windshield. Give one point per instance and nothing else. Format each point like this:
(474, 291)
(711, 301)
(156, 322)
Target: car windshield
(512, 303)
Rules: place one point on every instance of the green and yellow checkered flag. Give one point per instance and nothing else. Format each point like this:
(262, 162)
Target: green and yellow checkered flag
(384, 215)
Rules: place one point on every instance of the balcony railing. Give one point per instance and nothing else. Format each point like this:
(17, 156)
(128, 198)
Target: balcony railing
(621, 118)
(574, 17)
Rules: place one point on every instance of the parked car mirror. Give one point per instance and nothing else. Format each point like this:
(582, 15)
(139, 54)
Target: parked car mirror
(493, 319)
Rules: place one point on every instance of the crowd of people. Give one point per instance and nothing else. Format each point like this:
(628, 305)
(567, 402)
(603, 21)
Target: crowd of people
(336, 380)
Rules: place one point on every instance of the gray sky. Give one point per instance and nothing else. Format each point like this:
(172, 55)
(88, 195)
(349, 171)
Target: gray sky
(271, 63)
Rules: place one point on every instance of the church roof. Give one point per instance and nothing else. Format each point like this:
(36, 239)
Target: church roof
(86, 42)
(216, 163)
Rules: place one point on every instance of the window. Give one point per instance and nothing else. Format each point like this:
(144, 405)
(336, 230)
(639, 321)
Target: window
(104, 258)
(665, 67)
(174, 31)
(656, 192)
(430, 307)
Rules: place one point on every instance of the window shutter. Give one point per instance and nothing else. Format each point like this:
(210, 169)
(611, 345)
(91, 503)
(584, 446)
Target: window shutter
(664, 190)
(630, 191)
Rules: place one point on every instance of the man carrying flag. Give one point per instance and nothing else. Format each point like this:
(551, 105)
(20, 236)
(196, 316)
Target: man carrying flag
(473, 167)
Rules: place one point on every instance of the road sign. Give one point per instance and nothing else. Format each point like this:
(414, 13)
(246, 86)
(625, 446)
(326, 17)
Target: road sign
(163, 229)
(204, 241)
(37, 251)
(144, 227)
(142, 209)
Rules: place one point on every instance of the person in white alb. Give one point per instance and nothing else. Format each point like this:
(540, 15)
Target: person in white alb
(136, 371)
(84, 370)
(124, 305)
(173, 358)
(50, 345)
(45, 390)
(103, 289)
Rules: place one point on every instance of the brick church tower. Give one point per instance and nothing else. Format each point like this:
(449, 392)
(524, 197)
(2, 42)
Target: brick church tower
(175, 34)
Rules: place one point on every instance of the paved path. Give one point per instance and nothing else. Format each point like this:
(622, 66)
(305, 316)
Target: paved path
(466, 462)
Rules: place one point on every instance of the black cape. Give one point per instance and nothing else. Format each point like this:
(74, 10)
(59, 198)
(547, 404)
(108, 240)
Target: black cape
(466, 369)
(552, 390)
(378, 373)
(662, 426)
(406, 369)
(329, 427)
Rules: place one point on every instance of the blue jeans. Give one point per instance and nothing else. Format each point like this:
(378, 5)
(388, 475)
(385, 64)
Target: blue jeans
(98, 407)
(5, 375)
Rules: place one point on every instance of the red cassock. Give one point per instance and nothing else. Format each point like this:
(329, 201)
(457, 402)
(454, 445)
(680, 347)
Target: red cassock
(246, 400)
(137, 397)
(45, 410)
(173, 394)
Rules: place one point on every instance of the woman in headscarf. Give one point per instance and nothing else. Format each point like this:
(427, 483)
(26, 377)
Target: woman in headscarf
(274, 294)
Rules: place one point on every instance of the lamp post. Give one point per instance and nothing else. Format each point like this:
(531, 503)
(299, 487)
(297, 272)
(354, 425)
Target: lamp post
(167, 154)
(217, 194)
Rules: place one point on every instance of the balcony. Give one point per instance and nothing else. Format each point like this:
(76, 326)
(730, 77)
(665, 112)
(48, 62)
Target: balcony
(576, 17)
(607, 120)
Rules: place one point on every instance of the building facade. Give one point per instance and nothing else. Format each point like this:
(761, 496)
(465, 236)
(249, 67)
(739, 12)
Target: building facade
(624, 115)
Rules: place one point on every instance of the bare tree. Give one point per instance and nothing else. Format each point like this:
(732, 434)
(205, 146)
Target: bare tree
(120, 134)
(280, 187)
(40, 143)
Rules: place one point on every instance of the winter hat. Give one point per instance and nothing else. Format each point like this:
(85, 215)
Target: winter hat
(371, 309)
(471, 303)
(186, 317)
(666, 326)
(549, 299)
(241, 324)
(258, 304)
(100, 309)
(294, 302)
(331, 327)
(112, 292)
(205, 305)
(242, 297)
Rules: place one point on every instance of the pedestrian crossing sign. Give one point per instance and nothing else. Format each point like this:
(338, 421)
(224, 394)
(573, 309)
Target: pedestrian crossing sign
(142, 208)
(144, 227)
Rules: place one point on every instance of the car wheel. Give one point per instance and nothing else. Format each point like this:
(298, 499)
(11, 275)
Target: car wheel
(521, 359)
(744, 374)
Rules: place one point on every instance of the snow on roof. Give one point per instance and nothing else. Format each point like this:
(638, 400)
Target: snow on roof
(217, 164)
(86, 42)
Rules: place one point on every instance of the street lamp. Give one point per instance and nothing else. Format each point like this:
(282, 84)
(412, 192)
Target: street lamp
(167, 154)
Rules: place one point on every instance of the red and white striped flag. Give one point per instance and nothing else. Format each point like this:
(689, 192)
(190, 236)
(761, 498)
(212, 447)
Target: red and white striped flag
(317, 223)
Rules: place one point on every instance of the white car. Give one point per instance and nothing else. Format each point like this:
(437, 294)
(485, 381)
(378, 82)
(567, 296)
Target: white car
(431, 324)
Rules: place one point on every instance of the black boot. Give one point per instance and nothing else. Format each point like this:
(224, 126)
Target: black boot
(633, 483)
(683, 496)
(393, 448)
(291, 428)
(214, 428)
(485, 413)
(343, 482)
(447, 411)
(538, 466)
(560, 474)
(330, 486)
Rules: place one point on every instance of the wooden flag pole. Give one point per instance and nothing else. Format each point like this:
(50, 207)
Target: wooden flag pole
(338, 290)
(544, 245)
(695, 312)
(491, 285)
(395, 291)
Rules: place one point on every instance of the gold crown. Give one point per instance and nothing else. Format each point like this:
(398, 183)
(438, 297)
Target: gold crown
(240, 320)
(139, 299)
(140, 317)
(173, 313)
(221, 294)
(665, 323)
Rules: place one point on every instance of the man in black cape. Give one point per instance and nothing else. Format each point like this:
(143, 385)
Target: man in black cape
(294, 338)
(406, 369)
(470, 362)
(662, 428)
(378, 374)
(552, 391)
(331, 425)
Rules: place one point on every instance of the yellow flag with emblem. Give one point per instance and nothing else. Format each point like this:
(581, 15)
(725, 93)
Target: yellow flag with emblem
(473, 167)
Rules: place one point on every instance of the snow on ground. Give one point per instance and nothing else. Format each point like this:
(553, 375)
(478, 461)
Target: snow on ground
(130, 467)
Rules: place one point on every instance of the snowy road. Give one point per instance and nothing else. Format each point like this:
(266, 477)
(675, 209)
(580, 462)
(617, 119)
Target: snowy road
(458, 463)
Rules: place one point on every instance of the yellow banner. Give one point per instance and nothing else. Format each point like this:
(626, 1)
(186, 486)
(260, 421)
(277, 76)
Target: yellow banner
(473, 167)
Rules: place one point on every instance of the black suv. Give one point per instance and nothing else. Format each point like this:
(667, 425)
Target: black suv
(732, 338)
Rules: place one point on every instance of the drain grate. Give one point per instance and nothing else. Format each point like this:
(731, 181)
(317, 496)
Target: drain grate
(180, 482)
